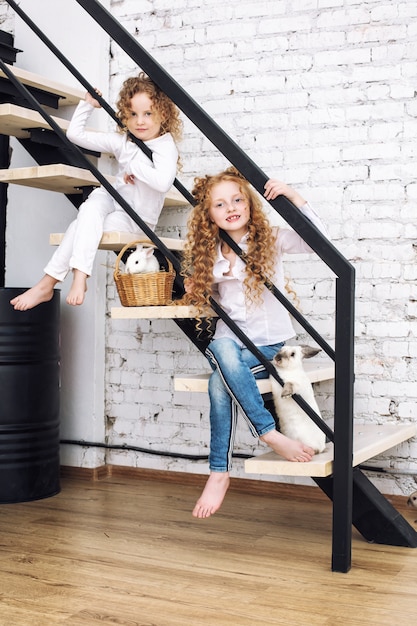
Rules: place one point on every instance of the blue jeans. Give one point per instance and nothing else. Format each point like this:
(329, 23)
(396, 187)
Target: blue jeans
(232, 386)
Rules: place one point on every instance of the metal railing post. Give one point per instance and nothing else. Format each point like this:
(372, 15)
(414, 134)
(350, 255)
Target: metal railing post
(343, 424)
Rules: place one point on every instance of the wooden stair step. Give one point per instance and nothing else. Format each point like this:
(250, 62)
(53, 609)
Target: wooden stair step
(157, 312)
(175, 198)
(116, 240)
(55, 177)
(68, 179)
(67, 95)
(15, 120)
(317, 371)
(369, 440)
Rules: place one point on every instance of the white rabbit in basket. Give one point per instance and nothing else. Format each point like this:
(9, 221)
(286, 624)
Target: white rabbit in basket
(142, 261)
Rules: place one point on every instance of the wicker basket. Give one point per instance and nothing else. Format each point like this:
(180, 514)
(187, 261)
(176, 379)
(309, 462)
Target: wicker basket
(150, 289)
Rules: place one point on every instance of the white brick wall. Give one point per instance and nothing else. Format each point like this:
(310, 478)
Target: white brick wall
(320, 93)
(7, 17)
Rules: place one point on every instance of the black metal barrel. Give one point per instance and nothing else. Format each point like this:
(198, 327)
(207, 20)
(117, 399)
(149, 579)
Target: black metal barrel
(29, 399)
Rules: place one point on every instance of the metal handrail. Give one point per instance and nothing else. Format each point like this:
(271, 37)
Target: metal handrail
(343, 433)
(343, 441)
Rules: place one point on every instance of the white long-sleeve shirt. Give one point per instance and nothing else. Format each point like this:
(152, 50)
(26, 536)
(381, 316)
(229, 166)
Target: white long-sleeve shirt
(269, 322)
(153, 179)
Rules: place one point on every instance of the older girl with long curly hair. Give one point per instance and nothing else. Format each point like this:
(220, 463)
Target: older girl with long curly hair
(211, 268)
(146, 114)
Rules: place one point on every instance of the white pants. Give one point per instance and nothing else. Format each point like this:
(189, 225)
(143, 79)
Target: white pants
(99, 213)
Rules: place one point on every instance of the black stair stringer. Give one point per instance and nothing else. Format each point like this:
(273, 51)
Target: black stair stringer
(8, 93)
(373, 515)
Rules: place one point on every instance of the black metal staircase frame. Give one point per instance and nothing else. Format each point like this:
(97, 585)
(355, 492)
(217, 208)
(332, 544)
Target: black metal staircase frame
(355, 499)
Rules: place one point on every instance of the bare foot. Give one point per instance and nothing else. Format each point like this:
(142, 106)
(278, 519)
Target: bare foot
(290, 449)
(78, 288)
(43, 291)
(213, 494)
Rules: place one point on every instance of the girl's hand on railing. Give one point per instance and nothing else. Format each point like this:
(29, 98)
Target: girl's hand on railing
(89, 98)
(275, 188)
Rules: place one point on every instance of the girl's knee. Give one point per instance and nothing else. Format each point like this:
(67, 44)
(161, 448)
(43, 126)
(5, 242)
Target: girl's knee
(224, 352)
(215, 384)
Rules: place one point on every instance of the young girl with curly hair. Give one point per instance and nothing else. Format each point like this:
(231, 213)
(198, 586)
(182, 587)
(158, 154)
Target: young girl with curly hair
(211, 268)
(149, 115)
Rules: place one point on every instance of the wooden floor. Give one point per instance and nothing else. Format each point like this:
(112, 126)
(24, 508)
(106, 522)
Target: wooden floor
(126, 550)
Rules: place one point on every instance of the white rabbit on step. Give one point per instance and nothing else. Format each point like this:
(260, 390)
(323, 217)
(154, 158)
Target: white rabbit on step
(293, 421)
(142, 261)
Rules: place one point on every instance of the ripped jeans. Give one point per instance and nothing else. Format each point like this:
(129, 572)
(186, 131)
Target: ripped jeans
(232, 386)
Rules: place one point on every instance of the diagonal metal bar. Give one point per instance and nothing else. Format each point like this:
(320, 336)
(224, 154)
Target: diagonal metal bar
(285, 302)
(271, 370)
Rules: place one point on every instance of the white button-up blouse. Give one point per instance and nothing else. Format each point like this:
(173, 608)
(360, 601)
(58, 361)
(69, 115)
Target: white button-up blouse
(268, 322)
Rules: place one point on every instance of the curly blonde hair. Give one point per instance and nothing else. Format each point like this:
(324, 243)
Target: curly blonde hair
(169, 113)
(203, 238)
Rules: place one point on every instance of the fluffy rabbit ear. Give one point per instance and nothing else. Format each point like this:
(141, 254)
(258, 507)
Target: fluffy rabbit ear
(307, 351)
(148, 252)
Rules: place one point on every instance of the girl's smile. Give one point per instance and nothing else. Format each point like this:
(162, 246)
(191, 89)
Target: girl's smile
(229, 209)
